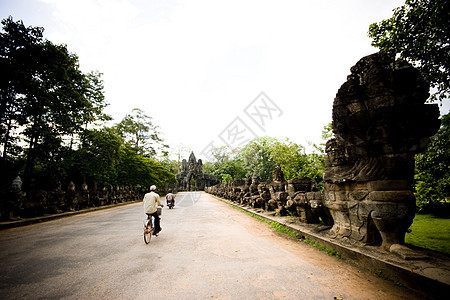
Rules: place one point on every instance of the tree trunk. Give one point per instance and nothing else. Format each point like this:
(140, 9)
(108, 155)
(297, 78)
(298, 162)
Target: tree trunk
(5, 142)
(31, 155)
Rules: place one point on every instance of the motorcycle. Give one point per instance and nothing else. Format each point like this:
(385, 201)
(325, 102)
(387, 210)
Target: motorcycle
(170, 203)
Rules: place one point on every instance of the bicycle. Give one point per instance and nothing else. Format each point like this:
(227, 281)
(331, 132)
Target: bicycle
(149, 227)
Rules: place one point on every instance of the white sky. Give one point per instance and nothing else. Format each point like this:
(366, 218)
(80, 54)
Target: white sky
(194, 66)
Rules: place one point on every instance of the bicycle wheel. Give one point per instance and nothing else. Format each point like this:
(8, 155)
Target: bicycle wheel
(148, 231)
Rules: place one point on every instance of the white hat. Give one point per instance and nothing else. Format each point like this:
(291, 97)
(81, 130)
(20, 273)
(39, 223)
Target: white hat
(153, 188)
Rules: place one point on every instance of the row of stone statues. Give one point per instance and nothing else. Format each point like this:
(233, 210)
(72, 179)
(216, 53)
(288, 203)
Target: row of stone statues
(19, 204)
(380, 121)
(295, 197)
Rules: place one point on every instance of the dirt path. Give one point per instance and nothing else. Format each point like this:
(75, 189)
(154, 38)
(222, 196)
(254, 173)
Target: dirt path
(309, 274)
(341, 276)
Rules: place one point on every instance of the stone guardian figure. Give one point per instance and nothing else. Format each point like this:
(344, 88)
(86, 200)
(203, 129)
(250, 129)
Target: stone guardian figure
(380, 121)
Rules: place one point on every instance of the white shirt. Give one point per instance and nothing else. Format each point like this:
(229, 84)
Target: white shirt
(151, 200)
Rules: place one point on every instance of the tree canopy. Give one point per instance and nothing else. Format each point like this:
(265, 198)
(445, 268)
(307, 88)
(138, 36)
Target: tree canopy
(52, 125)
(140, 133)
(432, 179)
(262, 155)
(44, 95)
(419, 31)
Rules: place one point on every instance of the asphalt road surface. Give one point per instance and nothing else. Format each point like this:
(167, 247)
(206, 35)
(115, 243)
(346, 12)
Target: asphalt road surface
(206, 250)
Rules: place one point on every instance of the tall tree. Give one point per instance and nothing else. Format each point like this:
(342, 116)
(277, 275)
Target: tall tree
(419, 31)
(98, 156)
(140, 133)
(139, 170)
(45, 93)
(256, 156)
(17, 47)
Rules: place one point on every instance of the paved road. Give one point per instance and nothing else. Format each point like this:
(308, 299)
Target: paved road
(206, 250)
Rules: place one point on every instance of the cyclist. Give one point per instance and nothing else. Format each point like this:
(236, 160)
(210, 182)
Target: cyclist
(151, 201)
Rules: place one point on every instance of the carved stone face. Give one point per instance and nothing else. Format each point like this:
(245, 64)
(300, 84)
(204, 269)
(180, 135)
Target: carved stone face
(335, 153)
(16, 187)
(17, 184)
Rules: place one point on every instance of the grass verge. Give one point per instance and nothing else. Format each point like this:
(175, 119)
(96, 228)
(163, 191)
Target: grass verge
(328, 250)
(430, 232)
(277, 226)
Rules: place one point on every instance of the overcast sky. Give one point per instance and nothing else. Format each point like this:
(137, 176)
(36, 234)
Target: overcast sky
(215, 72)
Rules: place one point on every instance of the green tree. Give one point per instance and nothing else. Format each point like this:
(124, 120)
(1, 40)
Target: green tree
(225, 162)
(17, 45)
(140, 133)
(316, 159)
(226, 178)
(432, 178)
(169, 164)
(232, 167)
(98, 157)
(419, 31)
(263, 155)
(257, 156)
(105, 158)
(44, 92)
(139, 170)
(208, 168)
(220, 154)
(289, 156)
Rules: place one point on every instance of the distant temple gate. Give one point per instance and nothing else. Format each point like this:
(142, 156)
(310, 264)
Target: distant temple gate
(191, 177)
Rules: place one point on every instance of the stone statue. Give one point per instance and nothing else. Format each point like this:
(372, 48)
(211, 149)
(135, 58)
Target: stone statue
(278, 191)
(17, 184)
(254, 185)
(15, 200)
(278, 175)
(297, 203)
(36, 204)
(380, 122)
(95, 195)
(55, 199)
(104, 196)
(71, 197)
(83, 196)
